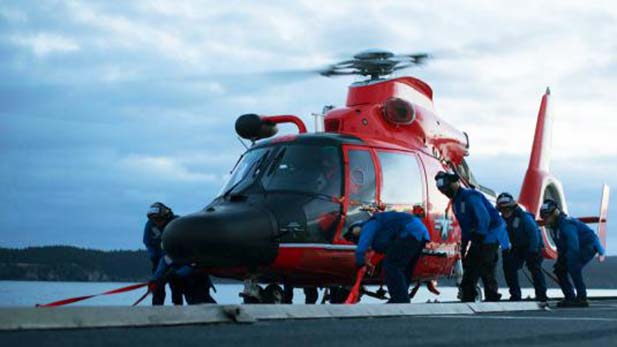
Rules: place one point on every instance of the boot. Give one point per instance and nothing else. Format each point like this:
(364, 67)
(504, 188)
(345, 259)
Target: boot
(569, 303)
(493, 298)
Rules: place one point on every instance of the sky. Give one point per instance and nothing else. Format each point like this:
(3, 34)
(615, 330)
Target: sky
(107, 106)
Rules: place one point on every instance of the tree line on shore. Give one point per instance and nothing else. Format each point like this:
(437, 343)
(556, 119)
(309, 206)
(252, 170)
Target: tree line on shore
(68, 263)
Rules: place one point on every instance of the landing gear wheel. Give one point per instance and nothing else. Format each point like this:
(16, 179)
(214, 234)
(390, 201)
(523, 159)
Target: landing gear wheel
(253, 299)
(273, 294)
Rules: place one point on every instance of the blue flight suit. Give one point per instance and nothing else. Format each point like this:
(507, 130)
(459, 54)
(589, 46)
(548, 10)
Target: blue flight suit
(152, 241)
(401, 237)
(196, 284)
(576, 245)
(481, 224)
(527, 245)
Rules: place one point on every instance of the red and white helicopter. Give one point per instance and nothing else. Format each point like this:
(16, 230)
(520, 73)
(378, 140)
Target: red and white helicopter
(279, 218)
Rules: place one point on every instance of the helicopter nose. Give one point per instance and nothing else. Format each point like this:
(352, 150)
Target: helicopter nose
(223, 236)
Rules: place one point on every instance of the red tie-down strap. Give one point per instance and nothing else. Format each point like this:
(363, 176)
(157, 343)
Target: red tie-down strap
(110, 292)
(373, 258)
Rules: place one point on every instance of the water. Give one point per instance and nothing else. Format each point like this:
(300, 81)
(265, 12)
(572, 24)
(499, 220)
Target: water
(18, 293)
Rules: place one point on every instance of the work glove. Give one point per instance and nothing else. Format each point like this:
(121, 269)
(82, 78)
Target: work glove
(156, 283)
(152, 285)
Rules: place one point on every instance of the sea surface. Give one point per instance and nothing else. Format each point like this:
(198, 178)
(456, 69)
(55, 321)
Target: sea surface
(23, 293)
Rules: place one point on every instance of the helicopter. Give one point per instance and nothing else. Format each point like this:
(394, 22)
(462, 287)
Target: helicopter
(280, 216)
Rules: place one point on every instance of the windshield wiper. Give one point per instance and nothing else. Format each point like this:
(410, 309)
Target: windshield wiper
(256, 163)
(276, 161)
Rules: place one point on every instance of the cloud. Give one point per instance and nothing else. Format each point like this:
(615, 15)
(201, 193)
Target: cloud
(44, 44)
(108, 107)
(164, 169)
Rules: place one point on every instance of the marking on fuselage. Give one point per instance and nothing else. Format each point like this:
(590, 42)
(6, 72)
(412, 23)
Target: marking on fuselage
(445, 227)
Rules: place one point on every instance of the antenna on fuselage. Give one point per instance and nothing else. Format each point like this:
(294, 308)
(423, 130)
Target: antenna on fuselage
(242, 142)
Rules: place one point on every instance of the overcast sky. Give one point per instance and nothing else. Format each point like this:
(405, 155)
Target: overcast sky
(108, 106)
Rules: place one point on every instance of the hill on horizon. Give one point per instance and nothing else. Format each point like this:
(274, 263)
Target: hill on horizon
(69, 263)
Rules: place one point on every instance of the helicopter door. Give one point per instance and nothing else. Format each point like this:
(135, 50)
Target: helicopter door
(360, 183)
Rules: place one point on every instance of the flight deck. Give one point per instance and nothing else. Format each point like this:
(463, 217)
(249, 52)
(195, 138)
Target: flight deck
(444, 324)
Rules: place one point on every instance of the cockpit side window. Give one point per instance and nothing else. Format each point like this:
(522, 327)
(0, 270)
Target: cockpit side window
(402, 182)
(360, 185)
(361, 174)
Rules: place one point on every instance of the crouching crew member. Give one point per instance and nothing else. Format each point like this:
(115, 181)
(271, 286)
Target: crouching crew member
(197, 284)
(401, 237)
(482, 226)
(527, 244)
(576, 244)
(159, 216)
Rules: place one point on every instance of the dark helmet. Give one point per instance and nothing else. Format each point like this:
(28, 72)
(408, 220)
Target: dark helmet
(160, 210)
(548, 207)
(505, 200)
(443, 179)
(348, 235)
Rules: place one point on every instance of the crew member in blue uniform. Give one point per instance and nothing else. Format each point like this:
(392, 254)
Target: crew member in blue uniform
(576, 245)
(481, 225)
(196, 284)
(401, 237)
(159, 215)
(527, 244)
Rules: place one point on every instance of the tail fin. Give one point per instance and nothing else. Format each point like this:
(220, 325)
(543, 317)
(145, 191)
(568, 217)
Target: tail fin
(541, 150)
(539, 183)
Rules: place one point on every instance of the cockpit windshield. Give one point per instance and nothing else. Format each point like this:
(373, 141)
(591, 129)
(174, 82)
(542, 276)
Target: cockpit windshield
(248, 165)
(305, 168)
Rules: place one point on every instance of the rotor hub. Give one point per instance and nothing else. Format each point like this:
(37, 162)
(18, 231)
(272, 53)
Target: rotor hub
(375, 64)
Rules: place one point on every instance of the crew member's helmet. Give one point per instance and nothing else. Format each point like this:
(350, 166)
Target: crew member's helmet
(505, 200)
(548, 207)
(159, 210)
(348, 234)
(443, 179)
